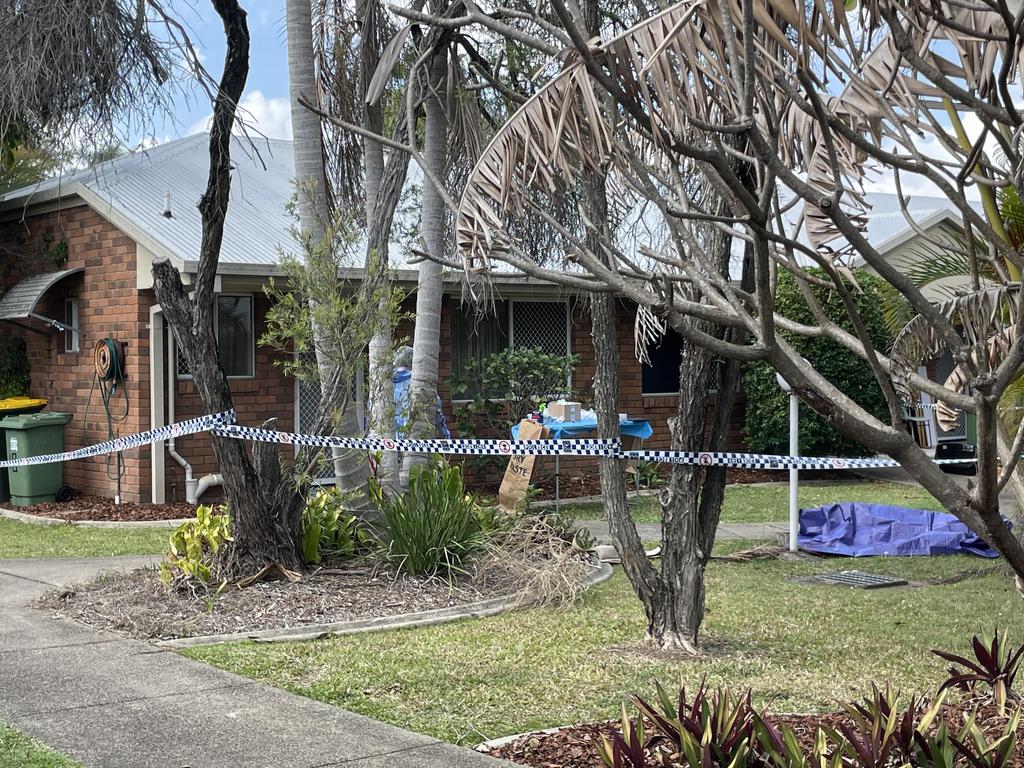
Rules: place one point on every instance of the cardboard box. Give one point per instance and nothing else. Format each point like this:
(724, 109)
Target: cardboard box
(568, 411)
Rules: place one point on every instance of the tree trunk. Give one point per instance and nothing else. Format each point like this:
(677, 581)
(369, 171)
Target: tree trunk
(351, 470)
(382, 406)
(641, 573)
(383, 189)
(647, 583)
(265, 526)
(427, 331)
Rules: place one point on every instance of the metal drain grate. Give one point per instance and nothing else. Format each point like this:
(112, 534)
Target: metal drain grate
(860, 580)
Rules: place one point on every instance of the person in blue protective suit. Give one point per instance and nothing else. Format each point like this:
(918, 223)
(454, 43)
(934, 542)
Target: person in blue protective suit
(402, 378)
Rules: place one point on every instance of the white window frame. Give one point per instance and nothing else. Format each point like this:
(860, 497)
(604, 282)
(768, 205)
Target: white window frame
(216, 333)
(72, 337)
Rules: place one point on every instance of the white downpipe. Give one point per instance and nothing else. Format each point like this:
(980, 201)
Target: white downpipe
(205, 483)
(156, 404)
(193, 488)
(191, 483)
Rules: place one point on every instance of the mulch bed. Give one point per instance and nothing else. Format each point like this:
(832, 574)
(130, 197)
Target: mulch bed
(85, 507)
(139, 605)
(576, 746)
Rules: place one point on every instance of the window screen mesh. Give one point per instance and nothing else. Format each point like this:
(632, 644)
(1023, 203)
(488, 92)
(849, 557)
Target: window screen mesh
(308, 395)
(541, 324)
(183, 371)
(233, 322)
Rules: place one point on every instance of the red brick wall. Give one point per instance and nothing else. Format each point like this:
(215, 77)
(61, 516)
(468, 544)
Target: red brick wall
(111, 306)
(632, 401)
(268, 394)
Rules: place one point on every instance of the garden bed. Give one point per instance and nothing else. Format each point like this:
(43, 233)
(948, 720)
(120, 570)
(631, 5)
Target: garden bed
(576, 746)
(139, 605)
(96, 508)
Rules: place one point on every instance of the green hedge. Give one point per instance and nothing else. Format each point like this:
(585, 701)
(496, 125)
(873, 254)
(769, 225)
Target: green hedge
(767, 417)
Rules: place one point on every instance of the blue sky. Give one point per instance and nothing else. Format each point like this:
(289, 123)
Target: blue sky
(266, 93)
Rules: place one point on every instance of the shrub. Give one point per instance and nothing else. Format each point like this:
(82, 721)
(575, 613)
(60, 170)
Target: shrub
(193, 544)
(434, 527)
(713, 730)
(767, 418)
(14, 370)
(327, 529)
(507, 385)
(995, 665)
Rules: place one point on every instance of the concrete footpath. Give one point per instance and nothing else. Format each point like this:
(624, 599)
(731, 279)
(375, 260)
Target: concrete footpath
(116, 703)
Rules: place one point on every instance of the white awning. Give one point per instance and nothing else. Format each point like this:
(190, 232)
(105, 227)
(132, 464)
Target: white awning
(20, 302)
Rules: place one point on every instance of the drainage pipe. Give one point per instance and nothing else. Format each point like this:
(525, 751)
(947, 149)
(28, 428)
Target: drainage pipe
(172, 381)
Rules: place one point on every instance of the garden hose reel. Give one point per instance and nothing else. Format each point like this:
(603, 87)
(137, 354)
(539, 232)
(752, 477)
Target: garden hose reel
(108, 360)
(108, 377)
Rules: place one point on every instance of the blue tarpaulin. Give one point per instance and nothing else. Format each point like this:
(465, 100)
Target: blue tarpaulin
(856, 529)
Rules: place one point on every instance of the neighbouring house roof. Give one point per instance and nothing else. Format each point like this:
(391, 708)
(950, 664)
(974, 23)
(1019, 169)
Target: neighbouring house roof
(19, 303)
(887, 226)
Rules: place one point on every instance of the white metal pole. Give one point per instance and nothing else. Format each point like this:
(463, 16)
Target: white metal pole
(794, 450)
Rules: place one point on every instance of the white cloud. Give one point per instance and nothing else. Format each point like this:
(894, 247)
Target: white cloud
(270, 116)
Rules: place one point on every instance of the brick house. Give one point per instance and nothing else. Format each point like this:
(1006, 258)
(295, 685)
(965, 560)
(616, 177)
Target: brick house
(75, 256)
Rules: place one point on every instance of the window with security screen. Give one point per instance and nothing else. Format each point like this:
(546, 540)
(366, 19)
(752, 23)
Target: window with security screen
(543, 324)
(517, 324)
(475, 337)
(236, 337)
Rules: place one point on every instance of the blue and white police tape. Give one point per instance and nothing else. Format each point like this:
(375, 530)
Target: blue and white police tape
(767, 461)
(457, 447)
(223, 425)
(182, 428)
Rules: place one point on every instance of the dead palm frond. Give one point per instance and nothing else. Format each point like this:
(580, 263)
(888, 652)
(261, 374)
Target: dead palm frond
(679, 76)
(985, 319)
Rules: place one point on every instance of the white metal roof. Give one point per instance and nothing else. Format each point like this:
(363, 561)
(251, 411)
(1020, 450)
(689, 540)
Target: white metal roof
(130, 191)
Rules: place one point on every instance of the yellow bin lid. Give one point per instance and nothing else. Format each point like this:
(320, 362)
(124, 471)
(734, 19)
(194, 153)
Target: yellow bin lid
(15, 405)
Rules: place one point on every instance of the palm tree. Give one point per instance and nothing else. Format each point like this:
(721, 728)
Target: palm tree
(427, 331)
(351, 469)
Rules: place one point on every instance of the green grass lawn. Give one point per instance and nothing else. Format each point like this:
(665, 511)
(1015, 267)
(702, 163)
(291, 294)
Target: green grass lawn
(19, 751)
(22, 540)
(770, 503)
(799, 646)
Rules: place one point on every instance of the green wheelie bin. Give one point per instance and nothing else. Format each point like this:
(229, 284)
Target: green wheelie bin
(14, 406)
(35, 434)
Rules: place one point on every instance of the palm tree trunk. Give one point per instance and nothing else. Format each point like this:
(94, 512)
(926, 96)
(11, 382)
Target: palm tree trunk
(426, 336)
(380, 413)
(350, 467)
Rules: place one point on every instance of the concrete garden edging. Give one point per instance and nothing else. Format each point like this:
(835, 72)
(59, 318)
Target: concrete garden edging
(477, 610)
(503, 741)
(24, 517)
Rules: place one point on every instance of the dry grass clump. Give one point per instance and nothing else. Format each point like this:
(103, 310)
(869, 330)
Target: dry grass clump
(536, 560)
